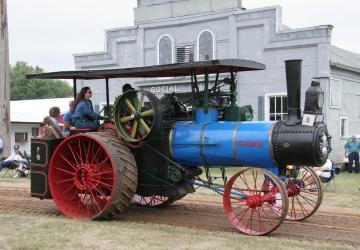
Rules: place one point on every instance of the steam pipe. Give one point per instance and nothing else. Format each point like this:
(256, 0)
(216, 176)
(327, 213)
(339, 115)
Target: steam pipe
(293, 83)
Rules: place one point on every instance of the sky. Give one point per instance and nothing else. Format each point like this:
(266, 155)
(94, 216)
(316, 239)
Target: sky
(47, 33)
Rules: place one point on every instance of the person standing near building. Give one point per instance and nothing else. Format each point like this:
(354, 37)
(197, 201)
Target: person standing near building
(353, 147)
(1, 147)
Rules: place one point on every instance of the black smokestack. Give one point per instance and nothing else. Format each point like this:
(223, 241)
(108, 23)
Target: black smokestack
(293, 83)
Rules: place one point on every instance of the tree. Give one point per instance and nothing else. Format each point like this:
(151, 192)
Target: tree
(24, 89)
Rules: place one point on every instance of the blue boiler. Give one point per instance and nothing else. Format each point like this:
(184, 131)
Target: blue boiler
(210, 142)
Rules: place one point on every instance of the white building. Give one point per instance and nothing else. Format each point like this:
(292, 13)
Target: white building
(170, 31)
(26, 117)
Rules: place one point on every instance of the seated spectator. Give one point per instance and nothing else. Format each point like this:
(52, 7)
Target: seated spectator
(13, 160)
(84, 115)
(325, 170)
(67, 117)
(54, 114)
(52, 130)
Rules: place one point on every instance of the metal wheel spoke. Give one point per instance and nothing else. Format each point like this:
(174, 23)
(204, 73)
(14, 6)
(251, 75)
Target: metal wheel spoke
(303, 209)
(145, 126)
(134, 129)
(130, 106)
(245, 182)
(141, 104)
(68, 189)
(127, 119)
(68, 162)
(147, 113)
(307, 199)
(80, 151)
(65, 171)
(73, 154)
(62, 181)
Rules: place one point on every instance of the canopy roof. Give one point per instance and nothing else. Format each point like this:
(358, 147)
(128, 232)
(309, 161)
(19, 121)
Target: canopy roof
(169, 70)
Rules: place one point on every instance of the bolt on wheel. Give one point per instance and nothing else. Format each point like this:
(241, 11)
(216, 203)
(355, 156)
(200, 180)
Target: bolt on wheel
(255, 201)
(304, 191)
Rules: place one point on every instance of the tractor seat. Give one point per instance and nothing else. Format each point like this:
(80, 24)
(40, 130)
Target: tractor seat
(74, 131)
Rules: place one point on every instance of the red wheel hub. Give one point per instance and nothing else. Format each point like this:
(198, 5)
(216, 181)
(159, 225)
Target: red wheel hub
(293, 190)
(86, 177)
(254, 201)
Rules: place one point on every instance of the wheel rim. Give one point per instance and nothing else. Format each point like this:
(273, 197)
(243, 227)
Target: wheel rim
(82, 177)
(255, 201)
(150, 201)
(137, 115)
(304, 191)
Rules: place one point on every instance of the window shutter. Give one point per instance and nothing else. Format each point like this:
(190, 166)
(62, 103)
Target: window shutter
(261, 107)
(185, 54)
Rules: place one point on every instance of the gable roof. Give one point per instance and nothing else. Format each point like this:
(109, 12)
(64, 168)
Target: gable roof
(344, 59)
(34, 111)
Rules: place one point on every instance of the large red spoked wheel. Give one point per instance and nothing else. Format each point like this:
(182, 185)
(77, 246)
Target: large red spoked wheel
(92, 176)
(304, 191)
(255, 201)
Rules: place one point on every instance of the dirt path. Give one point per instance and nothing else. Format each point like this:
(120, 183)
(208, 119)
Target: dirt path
(206, 212)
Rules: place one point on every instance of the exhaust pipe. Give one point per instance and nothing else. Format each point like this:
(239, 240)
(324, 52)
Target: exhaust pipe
(293, 83)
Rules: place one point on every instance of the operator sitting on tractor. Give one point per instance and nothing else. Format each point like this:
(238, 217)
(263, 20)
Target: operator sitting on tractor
(84, 115)
(127, 87)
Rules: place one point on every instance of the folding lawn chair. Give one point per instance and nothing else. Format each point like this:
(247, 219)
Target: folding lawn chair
(329, 182)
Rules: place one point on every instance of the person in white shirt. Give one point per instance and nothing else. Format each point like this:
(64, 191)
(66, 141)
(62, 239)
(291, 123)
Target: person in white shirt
(13, 160)
(325, 170)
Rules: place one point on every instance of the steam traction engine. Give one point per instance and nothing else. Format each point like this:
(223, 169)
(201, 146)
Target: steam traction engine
(153, 152)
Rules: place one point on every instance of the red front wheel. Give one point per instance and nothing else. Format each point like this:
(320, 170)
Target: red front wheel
(305, 192)
(255, 201)
(92, 176)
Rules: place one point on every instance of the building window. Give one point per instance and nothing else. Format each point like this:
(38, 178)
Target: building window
(276, 107)
(165, 49)
(335, 93)
(34, 132)
(185, 54)
(344, 127)
(206, 46)
(21, 137)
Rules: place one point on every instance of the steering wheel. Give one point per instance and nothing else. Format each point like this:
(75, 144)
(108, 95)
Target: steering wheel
(110, 114)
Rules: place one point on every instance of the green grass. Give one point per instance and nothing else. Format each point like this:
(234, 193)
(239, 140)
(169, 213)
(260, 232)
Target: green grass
(347, 192)
(38, 232)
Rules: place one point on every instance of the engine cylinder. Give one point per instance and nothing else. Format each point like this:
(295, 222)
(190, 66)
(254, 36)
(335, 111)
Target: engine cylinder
(222, 144)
